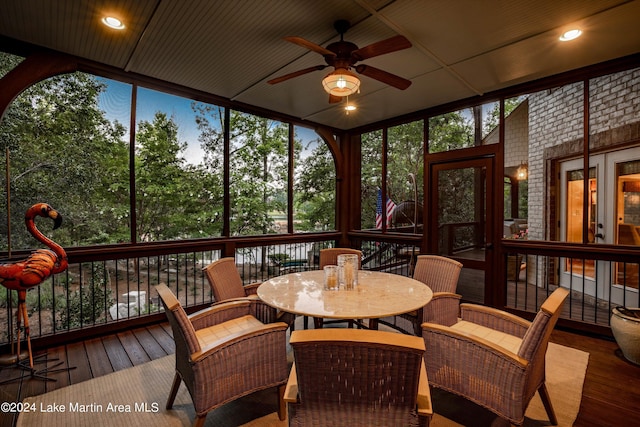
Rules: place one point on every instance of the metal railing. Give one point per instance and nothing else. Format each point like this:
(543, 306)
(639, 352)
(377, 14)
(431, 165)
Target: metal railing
(109, 289)
(599, 278)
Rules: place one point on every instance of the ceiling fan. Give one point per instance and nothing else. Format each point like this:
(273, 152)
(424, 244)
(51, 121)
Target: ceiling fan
(343, 56)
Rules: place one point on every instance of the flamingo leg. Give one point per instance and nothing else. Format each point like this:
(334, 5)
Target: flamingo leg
(22, 315)
(18, 326)
(27, 333)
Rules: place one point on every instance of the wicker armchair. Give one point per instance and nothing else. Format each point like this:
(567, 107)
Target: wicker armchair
(441, 275)
(329, 256)
(494, 358)
(223, 353)
(226, 284)
(341, 378)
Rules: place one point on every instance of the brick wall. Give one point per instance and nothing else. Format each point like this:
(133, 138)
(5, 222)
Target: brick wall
(556, 130)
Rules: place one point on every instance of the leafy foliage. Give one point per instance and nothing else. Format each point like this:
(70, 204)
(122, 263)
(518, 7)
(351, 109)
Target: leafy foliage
(62, 151)
(315, 190)
(87, 305)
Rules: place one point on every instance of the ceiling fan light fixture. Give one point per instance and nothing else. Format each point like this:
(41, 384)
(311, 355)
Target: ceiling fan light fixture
(341, 82)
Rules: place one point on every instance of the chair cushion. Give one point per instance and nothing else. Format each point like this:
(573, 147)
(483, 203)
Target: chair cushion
(218, 334)
(509, 342)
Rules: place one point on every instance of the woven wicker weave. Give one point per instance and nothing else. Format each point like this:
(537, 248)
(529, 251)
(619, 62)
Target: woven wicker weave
(226, 284)
(502, 378)
(441, 275)
(223, 353)
(352, 377)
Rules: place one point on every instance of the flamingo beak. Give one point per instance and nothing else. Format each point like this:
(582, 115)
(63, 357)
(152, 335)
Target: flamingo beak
(57, 219)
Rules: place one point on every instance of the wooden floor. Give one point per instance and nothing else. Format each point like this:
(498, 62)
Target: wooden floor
(610, 396)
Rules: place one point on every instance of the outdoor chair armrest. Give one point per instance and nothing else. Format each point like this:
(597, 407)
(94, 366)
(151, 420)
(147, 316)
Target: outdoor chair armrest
(291, 391)
(219, 313)
(498, 320)
(482, 343)
(245, 298)
(424, 394)
(242, 342)
(444, 308)
(258, 309)
(252, 288)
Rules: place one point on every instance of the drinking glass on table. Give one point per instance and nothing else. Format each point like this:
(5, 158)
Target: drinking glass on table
(348, 266)
(331, 277)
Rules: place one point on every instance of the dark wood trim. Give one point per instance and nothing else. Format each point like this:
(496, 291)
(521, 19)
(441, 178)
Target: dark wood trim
(291, 167)
(32, 70)
(592, 71)
(133, 196)
(585, 158)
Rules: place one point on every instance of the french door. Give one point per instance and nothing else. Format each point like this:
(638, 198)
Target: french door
(613, 215)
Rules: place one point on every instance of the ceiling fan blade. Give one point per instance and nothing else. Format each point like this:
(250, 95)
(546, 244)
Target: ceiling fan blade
(383, 76)
(333, 99)
(382, 47)
(296, 74)
(309, 45)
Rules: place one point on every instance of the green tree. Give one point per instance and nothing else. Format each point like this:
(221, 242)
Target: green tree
(315, 189)
(405, 157)
(371, 170)
(493, 118)
(258, 165)
(88, 305)
(171, 195)
(63, 151)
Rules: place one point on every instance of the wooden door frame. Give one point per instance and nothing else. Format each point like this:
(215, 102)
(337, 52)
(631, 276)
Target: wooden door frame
(489, 156)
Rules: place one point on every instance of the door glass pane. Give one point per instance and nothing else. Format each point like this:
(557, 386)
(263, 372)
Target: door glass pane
(462, 212)
(627, 216)
(574, 220)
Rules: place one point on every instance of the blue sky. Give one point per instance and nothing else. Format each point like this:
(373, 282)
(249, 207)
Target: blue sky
(116, 101)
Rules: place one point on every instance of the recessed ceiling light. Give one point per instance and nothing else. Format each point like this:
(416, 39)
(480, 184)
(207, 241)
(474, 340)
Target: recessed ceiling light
(349, 107)
(113, 22)
(570, 35)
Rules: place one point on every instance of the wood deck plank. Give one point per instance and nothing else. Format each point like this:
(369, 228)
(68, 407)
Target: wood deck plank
(135, 351)
(117, 354)
(98, 359)
(151, 346)
(609, 395)
(611, 382)
(79, 360)
(164, 337)
(57, 367)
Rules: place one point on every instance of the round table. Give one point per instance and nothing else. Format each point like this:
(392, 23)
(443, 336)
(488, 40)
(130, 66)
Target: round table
(377, 295)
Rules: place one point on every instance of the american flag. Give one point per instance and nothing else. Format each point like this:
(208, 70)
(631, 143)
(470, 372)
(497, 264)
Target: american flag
(390, 207)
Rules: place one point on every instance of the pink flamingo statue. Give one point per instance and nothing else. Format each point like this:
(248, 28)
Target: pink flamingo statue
(35, 269)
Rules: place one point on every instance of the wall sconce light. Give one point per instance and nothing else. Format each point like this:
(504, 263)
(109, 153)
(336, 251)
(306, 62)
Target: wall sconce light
(522, 173)
(341, 82)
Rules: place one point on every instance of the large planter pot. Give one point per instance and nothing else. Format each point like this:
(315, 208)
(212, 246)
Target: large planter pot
(625, 325)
